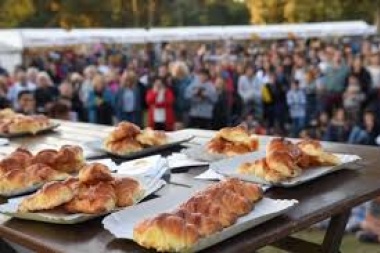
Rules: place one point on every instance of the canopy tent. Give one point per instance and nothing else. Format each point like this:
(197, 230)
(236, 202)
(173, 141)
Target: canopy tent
(60, 37)
(10, 49)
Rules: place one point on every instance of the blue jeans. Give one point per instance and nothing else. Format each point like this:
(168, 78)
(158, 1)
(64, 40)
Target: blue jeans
(133, 117)
(358, 136)
(298, 123)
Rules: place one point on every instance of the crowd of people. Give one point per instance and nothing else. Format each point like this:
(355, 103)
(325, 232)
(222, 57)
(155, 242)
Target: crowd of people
(322, 89)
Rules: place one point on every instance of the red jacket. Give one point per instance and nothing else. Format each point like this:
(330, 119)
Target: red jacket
(167, 104)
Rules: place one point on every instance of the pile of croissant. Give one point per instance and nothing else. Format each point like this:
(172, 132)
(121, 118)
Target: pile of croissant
(95, 191)
(21, 169)
(14, 123)
(285, 160)
(207, 212)
(232, 141)
(127, 138)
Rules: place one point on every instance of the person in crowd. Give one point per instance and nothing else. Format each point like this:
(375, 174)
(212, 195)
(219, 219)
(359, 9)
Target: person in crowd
(87, 85)
(128, 102)
(362, 75)
(367, 132)
(319, 126)
(181, 81)
(59, 110)
(160, 100)
(339, 128)
(26, 103)
(221, 111)
(4, 102)
(100, 102)
(21, 85)
(32, 74)
(163, 73)
(45, 93)
(374, 70)
(296, 100)
(250, 90)
(112, 81)
(71, 99)
(311, 95)
(353, 98)
(253, 125)
(76, 81)
(202, 96)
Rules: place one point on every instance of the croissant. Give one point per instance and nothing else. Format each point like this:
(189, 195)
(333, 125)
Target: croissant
(149, 137)
(50, 196)
(47, 156)
(166, 233)
(128, 191)
(13, 181)
(92, 199)
(69, 159)
(284, 163)
(123, 147)
(314, 149)
(94, 173)
(124, 130)
(260, 168)
(39, 173)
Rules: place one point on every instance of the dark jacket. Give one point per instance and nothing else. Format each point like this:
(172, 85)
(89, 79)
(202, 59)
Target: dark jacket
(221, 112)
(44, 96)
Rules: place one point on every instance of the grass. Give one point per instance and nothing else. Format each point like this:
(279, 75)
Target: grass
(349, 245)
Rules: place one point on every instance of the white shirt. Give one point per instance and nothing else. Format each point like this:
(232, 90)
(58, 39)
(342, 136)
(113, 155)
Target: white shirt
(374, 71)
(159, 115)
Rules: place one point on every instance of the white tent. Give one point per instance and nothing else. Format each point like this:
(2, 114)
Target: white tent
(10, 49)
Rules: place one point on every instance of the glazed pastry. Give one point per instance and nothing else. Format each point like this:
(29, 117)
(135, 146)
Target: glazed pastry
(94, 173)
(92, 199)
(123, 147)
(232, 141)
(13, 181)
(166, 233)
(50, 196)
(149, 137)
(69, 159)
(41, 173)
(128, 191)
(204, 214)
(47, 156)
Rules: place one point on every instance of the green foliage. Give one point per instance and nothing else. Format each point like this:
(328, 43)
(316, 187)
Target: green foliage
(154, 13)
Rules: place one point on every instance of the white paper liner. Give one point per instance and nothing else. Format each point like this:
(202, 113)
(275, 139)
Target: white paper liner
(210, 175)
(229, 168)
(11, 207)
(180, 160)
(200, 153)
(121, 224)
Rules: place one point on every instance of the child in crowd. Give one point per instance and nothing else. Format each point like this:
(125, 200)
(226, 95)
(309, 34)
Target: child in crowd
(26, 102)
(296, 99)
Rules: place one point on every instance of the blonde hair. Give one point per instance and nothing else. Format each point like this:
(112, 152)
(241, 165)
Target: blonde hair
(90, 70)
(98, 79)
(179, 69)
(128, 78)
(44, 74)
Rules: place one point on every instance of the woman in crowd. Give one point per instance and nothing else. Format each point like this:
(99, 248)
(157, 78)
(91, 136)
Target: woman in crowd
(71, 99)
(367, 132)
(353, 99)
(46, 93)
(112, 81)
(160, 100)
(339, 128)
(4, 102)
(250, 90)
(181, 81)
(87, 85)
(100, 102)
(221, 111)
(202, 96)
(296, 99)
(362, 75)
(128, 99)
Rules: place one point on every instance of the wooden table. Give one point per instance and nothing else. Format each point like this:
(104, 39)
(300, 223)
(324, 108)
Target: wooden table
(330, 196)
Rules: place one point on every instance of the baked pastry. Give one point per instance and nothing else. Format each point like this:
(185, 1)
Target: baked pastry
(128, 191)
(46, 156)
(123, 147)
(232, 141)
(7, 113)
(13, 181)
(92, 199)
(40, 173)
(204, 214)
(94, 173)
(150, 137)
(50, 196)
(166, 233)
(124, 130)
(69, 159)
(314, 149)
(260, 168)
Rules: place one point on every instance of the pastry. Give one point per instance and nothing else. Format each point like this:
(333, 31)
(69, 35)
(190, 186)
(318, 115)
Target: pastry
(124, 130)
(47, 156)
(92, 199)
(166, 233)
(94, 173)
(123, 147)
(232, 141)
(128, 191)
(50, 196)
(204, 214)
(69, 159)
(13, 181)
(40, 173)
(259, 168)
(149, 137)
